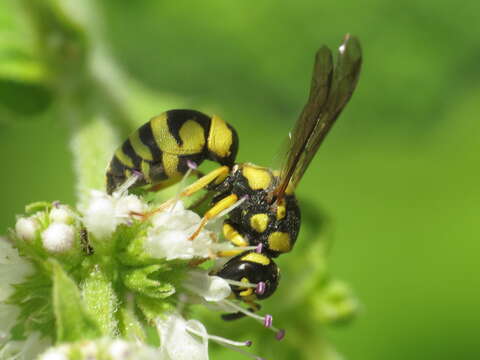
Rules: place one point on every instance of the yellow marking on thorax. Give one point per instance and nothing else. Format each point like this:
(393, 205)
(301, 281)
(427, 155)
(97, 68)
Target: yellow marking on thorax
(248, 291)
(170, 164)
(279, 241)
(281, 209)
(256, 258)
(123, 158)
(220, 138)
(139, 147)
(258, 178)
(191, 133)
(233, 236)
(259, 222)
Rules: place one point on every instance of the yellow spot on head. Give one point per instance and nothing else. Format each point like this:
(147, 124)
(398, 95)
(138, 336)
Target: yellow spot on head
(258, 178)
(279, 241)
(220, 138)
(256, 258)
(248, 291)
(259, 222)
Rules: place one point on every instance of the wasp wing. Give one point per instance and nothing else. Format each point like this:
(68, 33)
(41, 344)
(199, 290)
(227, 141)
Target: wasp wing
(332, 86)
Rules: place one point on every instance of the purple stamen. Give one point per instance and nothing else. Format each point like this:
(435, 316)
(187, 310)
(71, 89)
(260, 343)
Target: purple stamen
(280, 334)
(260, 289)
(191, 165)
(137, 173)
(268, 320)
(259, 248)
(56, 204)
(248, 343)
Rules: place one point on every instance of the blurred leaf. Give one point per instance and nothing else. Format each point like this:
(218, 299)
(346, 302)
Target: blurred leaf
(24, 89)
(72, 320)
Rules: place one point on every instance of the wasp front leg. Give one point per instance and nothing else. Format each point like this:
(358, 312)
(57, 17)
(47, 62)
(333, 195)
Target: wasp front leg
(216, 210)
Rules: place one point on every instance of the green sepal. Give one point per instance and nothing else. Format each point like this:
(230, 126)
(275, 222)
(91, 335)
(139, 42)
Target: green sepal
(152, 308)
(100, 300)
(73, 322)
(129, 325)
(141, 281)
(130, 244)
(35, 207)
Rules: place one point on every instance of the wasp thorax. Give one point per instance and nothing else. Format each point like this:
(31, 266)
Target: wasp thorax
(254, 275)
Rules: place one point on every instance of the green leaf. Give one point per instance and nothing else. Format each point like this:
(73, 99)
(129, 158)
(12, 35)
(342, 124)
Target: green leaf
(72, 320)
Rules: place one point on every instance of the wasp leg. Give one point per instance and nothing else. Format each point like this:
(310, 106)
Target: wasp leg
(223, 204)
(164, 184)
(216, 176)
(235, 238)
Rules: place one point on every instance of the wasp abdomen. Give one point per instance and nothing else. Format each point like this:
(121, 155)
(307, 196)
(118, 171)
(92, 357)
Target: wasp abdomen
(161, 148)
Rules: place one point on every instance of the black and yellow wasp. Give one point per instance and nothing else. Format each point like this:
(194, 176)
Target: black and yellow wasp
(268, 216)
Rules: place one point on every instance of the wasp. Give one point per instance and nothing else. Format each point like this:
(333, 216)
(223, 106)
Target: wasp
(265, 212)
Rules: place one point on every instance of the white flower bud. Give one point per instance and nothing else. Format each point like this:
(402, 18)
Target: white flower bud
(26, 228)
(61, 214)
(58, 237)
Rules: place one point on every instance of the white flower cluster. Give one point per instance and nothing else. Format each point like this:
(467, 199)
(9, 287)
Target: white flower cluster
(102, 349)
(168, 237)
(58, 237)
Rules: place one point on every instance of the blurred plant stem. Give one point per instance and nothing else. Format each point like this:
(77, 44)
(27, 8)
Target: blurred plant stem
(86, 84)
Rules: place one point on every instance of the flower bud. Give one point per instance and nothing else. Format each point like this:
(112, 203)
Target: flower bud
(26, 228)
(58, 238)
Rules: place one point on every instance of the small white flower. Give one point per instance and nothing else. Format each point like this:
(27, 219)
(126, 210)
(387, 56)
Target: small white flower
(188, 340)
(26, 228)
(61, 214)
(58, 237)
(104, 349)
(179, 344)
(211, 288)
(169, 236)
(105, 212)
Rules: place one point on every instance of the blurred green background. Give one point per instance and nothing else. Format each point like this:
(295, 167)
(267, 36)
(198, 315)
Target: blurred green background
(397, 175)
